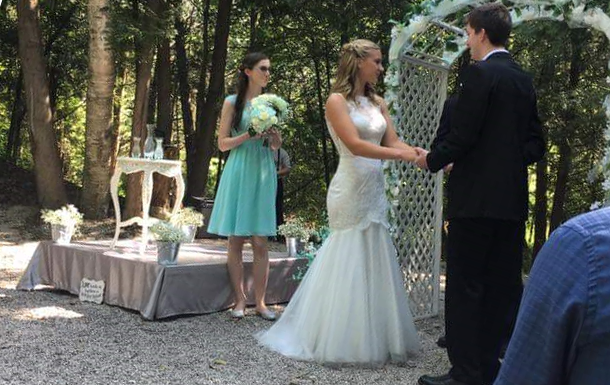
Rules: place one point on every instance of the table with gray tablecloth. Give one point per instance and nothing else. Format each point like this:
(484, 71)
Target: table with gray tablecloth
(198, 284)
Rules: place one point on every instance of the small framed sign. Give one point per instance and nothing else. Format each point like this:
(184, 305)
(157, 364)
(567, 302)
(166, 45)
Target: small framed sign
(91, 291)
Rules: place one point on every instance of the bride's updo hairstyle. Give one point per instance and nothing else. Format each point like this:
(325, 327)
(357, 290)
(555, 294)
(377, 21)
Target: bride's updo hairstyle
(351, 54)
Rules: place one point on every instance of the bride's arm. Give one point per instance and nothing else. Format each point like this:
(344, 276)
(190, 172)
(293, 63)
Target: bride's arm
(337, 114)
(390, 138)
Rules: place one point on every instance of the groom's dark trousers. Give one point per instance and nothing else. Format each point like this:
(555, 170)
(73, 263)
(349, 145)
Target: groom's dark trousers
(495, 134)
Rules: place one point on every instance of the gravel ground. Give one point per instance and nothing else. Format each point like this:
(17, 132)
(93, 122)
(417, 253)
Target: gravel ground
(50, 337)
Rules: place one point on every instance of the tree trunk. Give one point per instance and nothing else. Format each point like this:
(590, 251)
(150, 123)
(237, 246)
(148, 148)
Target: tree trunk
(253, 24)
(561, 185)
(164, 91)
(162, 184)
(578, 40)
(345, 17)
(100, 134)
(144, 57)
(540, 207)
(328, 87)
(47, 164)
(116, 113)
(18, 111)
(201, 93)
(206, 122)
(317, 70)
(183, 83)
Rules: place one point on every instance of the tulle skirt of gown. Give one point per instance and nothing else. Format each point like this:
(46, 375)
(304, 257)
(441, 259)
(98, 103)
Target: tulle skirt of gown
(351, 307)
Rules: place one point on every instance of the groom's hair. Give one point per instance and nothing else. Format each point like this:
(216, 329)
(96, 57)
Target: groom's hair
(495, 19)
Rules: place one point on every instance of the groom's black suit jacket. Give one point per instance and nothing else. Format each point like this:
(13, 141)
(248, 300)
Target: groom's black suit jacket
(495, 134)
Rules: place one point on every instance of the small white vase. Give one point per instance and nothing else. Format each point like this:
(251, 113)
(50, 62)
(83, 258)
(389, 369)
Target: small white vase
(167, 253)
(61, 234)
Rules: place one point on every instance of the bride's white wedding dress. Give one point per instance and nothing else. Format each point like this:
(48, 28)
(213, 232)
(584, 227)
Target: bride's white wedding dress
(351, 307)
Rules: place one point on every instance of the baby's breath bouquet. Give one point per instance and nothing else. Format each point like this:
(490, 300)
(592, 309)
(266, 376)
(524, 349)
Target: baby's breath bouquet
(66, 216)
(166, 232)
(294, 228)
(187, 217)
(268, 110)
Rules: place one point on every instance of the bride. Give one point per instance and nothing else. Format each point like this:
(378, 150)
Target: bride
(351, 307)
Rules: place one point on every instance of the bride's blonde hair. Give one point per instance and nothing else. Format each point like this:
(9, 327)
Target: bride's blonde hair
(347, 72)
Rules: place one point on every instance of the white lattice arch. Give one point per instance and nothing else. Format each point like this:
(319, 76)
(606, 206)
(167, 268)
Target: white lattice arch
(416, 83)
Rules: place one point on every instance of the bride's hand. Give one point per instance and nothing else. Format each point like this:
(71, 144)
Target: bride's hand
(421, 160)
(407, 155)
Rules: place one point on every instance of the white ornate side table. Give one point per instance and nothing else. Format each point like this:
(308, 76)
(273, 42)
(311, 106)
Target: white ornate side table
(169, 168)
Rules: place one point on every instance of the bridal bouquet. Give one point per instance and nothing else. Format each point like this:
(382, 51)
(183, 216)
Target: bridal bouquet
(268, 110)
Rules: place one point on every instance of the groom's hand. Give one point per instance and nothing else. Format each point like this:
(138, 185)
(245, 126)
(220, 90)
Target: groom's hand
(421, 161)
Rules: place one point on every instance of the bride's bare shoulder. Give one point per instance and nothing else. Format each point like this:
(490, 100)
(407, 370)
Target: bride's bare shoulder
(335, 101)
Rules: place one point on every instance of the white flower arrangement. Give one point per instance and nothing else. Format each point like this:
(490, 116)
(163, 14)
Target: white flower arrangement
(187, 216)
(268, 110)
(66, 216)
(167, 232)
(392, 191)
(294, 227)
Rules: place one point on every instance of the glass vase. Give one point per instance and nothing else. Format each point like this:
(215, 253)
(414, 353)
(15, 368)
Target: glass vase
(149, 143)
(167, 253)
(136, 152)
(61, 234)
(158, 148)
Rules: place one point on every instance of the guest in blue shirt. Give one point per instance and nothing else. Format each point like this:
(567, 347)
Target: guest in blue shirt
(562, 335)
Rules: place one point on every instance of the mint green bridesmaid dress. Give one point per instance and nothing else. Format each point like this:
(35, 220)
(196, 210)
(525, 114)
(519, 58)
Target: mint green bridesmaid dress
(245, 201)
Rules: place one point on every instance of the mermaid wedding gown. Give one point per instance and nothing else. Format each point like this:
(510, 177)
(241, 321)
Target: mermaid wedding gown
(351, 307)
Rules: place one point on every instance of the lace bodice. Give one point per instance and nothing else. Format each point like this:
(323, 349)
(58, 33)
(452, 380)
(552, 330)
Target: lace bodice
(368, 120)
(356, 195)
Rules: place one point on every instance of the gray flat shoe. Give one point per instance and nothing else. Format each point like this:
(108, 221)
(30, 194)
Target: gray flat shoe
(267, 314)
(237, 313)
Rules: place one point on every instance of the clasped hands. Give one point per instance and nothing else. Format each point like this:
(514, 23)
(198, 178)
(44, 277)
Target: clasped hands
(420, 158)
(422, 162)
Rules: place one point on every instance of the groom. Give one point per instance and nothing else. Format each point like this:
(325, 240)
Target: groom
(495, 134)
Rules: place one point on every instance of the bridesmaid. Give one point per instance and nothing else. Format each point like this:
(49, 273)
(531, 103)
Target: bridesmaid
(245, 203)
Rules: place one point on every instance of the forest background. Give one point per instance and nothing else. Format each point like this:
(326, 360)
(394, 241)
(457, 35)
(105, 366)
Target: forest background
(79, 79)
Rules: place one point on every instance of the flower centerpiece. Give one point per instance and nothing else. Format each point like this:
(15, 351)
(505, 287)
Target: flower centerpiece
(63, 221)
(188, 219)
(316, 240)
(296, 232)
(168, 239)
(268, 110)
